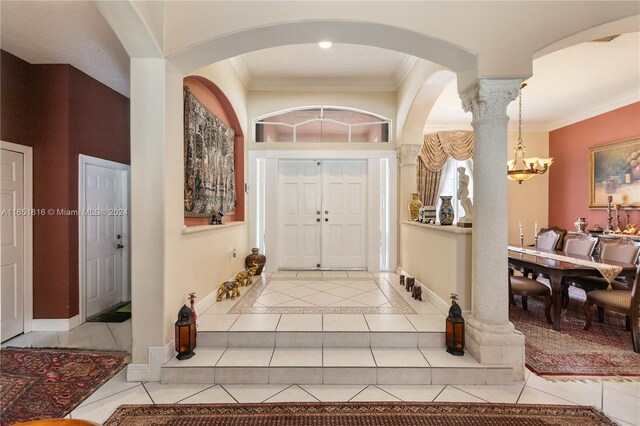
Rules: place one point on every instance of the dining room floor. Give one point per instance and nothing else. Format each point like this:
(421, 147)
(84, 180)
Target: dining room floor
(619, 400)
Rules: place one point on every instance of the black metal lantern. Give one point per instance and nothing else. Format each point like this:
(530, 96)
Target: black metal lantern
(455, 328)
(185, 333)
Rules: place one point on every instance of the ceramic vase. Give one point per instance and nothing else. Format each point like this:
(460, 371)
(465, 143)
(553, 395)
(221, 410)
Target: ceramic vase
(414, 206)
(581, 224)
(256, 257)
(446, 210)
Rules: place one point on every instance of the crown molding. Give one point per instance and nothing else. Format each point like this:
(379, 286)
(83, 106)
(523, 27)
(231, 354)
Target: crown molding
(239, 64)
(323, 84)
(620, 102)
(403, 70)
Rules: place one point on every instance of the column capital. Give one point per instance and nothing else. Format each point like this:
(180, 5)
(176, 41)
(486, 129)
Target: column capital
(489, 98)
(408, 154)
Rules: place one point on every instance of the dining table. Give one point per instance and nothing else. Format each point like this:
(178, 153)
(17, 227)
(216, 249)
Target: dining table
(556, 270)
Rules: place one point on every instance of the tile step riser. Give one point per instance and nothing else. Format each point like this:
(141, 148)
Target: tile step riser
(320, 339)
(338, 375)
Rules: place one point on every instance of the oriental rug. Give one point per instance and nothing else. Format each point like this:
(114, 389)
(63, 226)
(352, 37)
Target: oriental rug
(605, 351)
(47, 383)
(356, 414)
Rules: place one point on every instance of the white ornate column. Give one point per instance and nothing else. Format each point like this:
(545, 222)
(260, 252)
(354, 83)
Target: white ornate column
(491, 338)
(407, 160)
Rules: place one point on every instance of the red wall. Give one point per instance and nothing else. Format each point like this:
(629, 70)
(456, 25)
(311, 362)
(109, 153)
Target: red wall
(218, 104)
(60, 112)
(569, 174)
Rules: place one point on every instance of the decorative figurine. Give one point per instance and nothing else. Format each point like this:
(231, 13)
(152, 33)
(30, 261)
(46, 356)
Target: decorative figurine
(244, 277)
(185, 329)
(463, 196)
(410, 283)
(228, 289)
(455, 328)
(402, 280)
(416, 293)
(216, 219)
(192, 302)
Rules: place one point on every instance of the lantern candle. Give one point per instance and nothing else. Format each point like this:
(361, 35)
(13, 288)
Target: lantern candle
(185, 329)
(454, 328)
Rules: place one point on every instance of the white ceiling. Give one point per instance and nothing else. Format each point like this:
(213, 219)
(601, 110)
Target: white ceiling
(567, 86)
(309, 67)
(65, 32)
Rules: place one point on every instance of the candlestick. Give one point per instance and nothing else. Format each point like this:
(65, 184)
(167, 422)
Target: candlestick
(535, 228)
(521, 241)
(618, 217)
(609, 228)
(520, 226)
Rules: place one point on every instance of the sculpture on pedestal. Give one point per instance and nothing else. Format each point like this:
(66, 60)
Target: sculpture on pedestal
(463, 197)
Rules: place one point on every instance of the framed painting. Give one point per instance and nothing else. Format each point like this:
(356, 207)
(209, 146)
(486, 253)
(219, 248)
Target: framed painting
(614, 170)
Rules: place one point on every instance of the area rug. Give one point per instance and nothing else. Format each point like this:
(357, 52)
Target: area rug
(356, 414)
(47, 383)
(572, 353)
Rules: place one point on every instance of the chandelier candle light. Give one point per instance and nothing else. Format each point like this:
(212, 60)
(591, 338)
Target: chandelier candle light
(522, 168)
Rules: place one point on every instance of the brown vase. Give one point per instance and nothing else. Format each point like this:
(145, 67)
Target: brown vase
(256, 257)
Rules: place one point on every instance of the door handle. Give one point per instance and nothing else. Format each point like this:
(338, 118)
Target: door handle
(318, 212)
(326, 212)
(120, 246)
(326, 220)
(318, 220)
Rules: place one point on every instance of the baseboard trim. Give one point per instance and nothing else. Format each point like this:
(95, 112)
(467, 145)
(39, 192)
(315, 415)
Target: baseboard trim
(440, 304)
(55, 324)
(205, 303)
(158, 356)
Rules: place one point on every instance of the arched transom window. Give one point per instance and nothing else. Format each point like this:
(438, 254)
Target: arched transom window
(322, 124)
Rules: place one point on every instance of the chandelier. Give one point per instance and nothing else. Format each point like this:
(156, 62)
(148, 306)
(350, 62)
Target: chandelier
(523, 168)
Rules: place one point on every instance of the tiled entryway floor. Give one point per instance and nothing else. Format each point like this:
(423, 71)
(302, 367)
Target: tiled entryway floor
(619, 400)
(323, 292)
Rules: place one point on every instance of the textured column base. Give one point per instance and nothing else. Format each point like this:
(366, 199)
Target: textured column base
(496, 345)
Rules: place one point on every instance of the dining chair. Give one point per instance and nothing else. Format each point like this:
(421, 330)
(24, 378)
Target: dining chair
(624, 302)
(525, 287)
(579, 245)
(622, 251)
(547, 240)
(560, 231)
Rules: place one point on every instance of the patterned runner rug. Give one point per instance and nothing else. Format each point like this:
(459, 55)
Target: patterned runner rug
(603, 351)
(356, 414)
(46, 383)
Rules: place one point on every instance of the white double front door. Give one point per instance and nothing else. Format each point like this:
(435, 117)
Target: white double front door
(322, 214)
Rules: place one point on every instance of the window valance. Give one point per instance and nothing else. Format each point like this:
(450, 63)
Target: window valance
(436, 149)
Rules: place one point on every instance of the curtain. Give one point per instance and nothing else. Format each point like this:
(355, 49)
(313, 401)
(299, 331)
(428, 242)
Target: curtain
(436, 150)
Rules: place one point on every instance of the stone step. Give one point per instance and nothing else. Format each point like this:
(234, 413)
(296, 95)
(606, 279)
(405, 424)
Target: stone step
(280, 365)
(320, 339)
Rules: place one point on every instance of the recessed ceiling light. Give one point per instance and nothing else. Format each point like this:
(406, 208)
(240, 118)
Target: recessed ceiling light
(325, 44)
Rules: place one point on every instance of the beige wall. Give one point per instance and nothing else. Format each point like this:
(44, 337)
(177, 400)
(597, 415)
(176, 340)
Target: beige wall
(201, 261)
(439, 258)
(261, 103)
(529, 201)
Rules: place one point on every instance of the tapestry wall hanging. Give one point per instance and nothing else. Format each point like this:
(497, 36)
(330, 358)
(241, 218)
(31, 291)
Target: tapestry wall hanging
(209, 178)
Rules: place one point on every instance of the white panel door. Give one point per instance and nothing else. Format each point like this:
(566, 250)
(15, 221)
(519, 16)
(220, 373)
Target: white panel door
(344, 189)
(299, 210)
(12, 241)
(103, 237)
